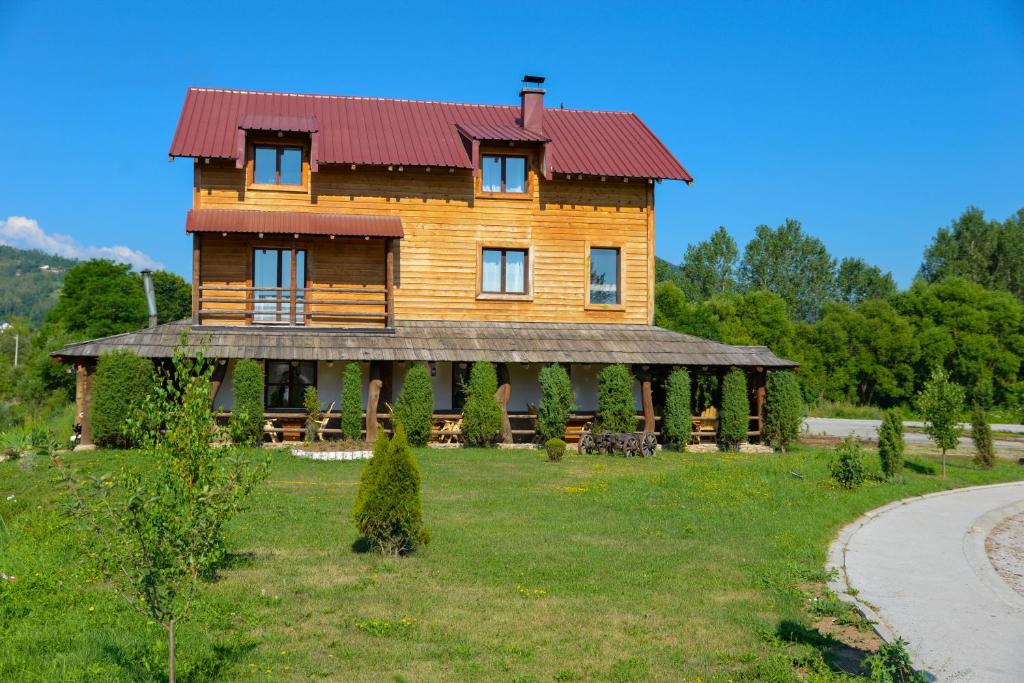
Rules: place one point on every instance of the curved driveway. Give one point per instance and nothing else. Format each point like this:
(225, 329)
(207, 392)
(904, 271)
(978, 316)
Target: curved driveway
(918, 568)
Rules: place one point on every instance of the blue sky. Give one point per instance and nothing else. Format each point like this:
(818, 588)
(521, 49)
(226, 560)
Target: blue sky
(873, 123)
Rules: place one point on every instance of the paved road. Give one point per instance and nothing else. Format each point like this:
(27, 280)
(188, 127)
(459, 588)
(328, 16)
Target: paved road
(919, 569)
(868, 429)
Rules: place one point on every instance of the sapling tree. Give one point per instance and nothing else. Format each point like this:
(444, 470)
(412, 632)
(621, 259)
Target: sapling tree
(981, 433)
(155, 533)
(941, 403)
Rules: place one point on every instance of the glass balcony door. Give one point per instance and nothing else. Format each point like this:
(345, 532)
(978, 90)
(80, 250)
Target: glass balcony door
(272, 286)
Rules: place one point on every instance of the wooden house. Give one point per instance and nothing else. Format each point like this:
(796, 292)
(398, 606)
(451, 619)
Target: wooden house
(334, 229)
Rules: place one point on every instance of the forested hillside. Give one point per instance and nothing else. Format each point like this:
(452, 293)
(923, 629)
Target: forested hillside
(29, 282)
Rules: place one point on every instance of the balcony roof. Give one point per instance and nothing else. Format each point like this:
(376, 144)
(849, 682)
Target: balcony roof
(292, 222)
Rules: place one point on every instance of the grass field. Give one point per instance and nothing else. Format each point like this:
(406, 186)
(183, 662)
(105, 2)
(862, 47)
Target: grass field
(673, 568)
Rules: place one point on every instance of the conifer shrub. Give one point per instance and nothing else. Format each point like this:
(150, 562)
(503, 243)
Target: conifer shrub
(848, 464)
(555, 449)
(676, 423)
(556, 402)
(734, 417)
(122, 384)
(415, 405)
(311, 402)
(388, 510)
(890, 443)
(352, 402)
(783, 409)
(246, 423)
(981, 432)
(616, 408)
(481, 419)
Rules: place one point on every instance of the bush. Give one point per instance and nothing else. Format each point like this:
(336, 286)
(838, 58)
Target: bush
(246, 423)
(676, 423)
(555, 449)
(734, 417)
(481, 420)
(890, 443)
(388, 510)
(311, 402)
(352, 402)
(415, 405)
(120, 388)
(783, 410)
(556, 402)
(848, 464)
(616, 409)
(981, 432)
(891, 664)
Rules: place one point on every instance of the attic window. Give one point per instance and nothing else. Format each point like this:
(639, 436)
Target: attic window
(277, 165)
(504, 173)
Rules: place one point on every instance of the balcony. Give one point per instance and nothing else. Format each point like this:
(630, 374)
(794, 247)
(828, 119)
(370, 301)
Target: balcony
(352, 307)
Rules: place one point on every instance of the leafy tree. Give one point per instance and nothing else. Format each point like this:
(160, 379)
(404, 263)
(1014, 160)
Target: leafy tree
(857, 281)
(791, 264)
(981, 433)
(121, 386)
(352, 402)
(890, 443)
(734, 417)
(556, 402)
(848, 464)
(246, 422)
(100, 298)
(616, 407)
(173, 296)
(709, 267)
(666, 272)
(783, 409)
(676, 422)
(941, 403)
(311, 402)
(673, 312)
(415, 405)
(481, 419)
(758, 318)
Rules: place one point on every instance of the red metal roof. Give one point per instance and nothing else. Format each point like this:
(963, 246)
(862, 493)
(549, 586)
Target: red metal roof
(488, 131)
(288, 124)
(292, 222)
(358, 130)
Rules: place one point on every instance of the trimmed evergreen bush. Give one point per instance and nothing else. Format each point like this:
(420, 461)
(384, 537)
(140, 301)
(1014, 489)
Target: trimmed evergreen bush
(734, 417)
(389, 511)
(676, 422)
(890, 443)
(555, 449)
(481, 419)
(122, 383)
(616, 408)
(783, 409)
(556, 402)
(246, 423)
(415, 405)
(311, 402)
(352, 402)
(981, 432)
(848, 464)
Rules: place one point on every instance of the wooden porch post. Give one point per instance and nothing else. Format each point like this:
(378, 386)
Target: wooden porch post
(195, 279)
(294, 270)
(372, 399)
(759, 397)
(389, 276)
(647, 396)
(83, 399)
(503, 395)
(217, 379)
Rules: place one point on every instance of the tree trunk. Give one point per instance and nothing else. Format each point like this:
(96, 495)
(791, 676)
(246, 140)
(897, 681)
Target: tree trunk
(170, 651)
(943, 463)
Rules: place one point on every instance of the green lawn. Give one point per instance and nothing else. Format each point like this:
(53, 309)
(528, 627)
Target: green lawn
(595, 568)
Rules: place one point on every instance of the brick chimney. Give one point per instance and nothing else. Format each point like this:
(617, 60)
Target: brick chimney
(532, 103)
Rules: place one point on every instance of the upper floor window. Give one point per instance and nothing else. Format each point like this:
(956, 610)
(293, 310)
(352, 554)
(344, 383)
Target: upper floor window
(605, 268)
(503, 271)
(277, 165)
(504, 173)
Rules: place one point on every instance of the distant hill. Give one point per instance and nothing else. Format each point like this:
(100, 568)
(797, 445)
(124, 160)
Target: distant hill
(30, 282)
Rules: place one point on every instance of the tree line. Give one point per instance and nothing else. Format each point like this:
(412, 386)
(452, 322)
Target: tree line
(859, 338)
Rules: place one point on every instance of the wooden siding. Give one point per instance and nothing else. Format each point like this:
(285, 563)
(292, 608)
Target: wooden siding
(446, 224)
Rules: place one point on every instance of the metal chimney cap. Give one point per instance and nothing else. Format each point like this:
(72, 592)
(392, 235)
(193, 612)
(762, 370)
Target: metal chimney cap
(144, 271)
(535, 81)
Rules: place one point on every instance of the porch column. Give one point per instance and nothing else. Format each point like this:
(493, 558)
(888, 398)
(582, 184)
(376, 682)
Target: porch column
(389, 277)
(83, 401)
(372, 399)
(760, 393)
(502, 395)
(217, 379)
(195, 278)
(647, 397)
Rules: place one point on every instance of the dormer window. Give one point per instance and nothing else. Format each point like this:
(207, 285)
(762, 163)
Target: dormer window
(504, 173)
(277, 165)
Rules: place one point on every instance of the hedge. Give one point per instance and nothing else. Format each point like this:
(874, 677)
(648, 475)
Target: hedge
(120, 387)
(783, 410)
(246, 423)
(556, 402)
(352, 402)
(676, 422)
(616, 408)
(481, 419)
(735, 414)
(414, 408)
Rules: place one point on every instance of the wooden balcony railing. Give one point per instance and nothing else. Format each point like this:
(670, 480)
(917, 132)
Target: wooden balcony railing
(309, 306)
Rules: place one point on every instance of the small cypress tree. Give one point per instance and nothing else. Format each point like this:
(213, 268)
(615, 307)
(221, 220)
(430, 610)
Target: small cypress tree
(981, 432)
(941, 402)
(616, 408)
(415, 405)
(122, 383)
(311, 402)
(246, 423)
(352, 402)
(890, 443)
(556, 402)
(368, 477)
(677, 421)
(783, 410)
(481, 419)
(734, 416)
(848, 464)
